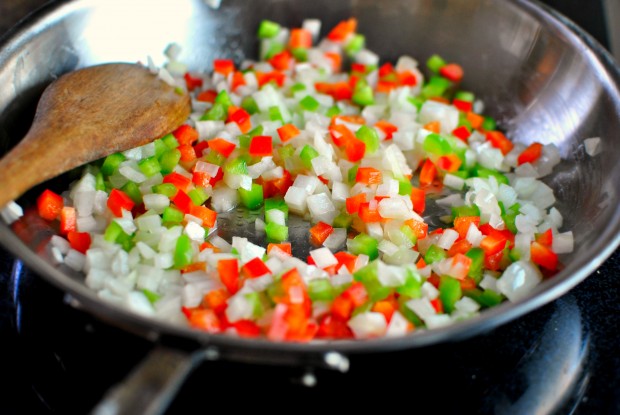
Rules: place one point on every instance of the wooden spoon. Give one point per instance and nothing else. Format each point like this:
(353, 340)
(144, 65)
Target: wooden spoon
(88, 114)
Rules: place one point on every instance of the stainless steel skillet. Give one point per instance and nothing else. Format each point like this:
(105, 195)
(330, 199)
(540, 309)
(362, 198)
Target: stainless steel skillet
(540, 76)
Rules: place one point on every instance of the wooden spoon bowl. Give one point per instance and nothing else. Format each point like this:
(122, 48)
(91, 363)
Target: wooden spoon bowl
(86, 115)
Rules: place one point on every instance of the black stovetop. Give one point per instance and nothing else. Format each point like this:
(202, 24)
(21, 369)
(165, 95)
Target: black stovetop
(561, 358)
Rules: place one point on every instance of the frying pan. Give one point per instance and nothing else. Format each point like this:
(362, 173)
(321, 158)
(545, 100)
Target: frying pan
(540, 76)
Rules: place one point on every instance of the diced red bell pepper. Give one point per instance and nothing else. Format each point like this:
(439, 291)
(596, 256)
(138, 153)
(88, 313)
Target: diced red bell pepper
(452, 71)
(342, 30)
(407, 78)
(237, 80)
(255, 268)
(338, 90)
(437, 305)
(222, 146)
(200, 147)
(353, 203)
(207, 96)
(499, 140)
(418, 198)
(545, 238)
(384, 307)
(201, 178)
(462, 224)
(427, 173)
(459, 247)
(347, 259)
(462, 133)
(420, 229)
(388, 128)
(386, 86)
(543, 256)
(228, 270)
(281, 61)
(433, 126)
(341, 134)
(320, 232)
(368, 175)
(192, 82)
(185, 134)
(205, 319)
(493, 262)
(283, 246)
(217, 300)
(178, 180)
(240, 117)
(246, 328)
(355, 149)
(449, 163)
(49, 205)
(386, 69)
(68, 220)
(288, 132)
(261, 146)
(193, 267)
(187, 152)
(277, 187)
(493, 244)
(117, 201)
(274, 76)
(80, 241)
(461, 105)
(336, 59)
(475, 120)
(369, 212)
(183, 201)
(530, 154)
(207, 215)
(223, 66)
(333, 328)
(300, 38)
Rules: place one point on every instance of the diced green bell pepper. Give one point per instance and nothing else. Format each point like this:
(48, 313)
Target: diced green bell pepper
(166, 189)
(435, 63)
(276, 232)
(198, 196)
(169, 160)
(321, 289)
(369, 276)
(477, 263)
(253, 198)
(436, 144)
(111, 163)
(170, 141)
(133, 191)
(307, 154)
(434, 254)
(149, 166)
(172, 215)
(449, 292)
(268, 29)
(309, 103)
(370, 137)
(183, 252)
(364, 244)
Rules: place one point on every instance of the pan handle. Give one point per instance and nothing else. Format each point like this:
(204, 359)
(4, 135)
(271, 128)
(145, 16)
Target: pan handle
(152, 385)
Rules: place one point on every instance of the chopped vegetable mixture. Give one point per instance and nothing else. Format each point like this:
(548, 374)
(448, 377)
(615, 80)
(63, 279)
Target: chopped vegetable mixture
(358, 152)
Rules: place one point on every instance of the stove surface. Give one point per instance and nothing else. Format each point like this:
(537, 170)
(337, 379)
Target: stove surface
(561, 358)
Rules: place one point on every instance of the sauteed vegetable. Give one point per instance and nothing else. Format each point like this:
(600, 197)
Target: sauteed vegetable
(358, 152)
